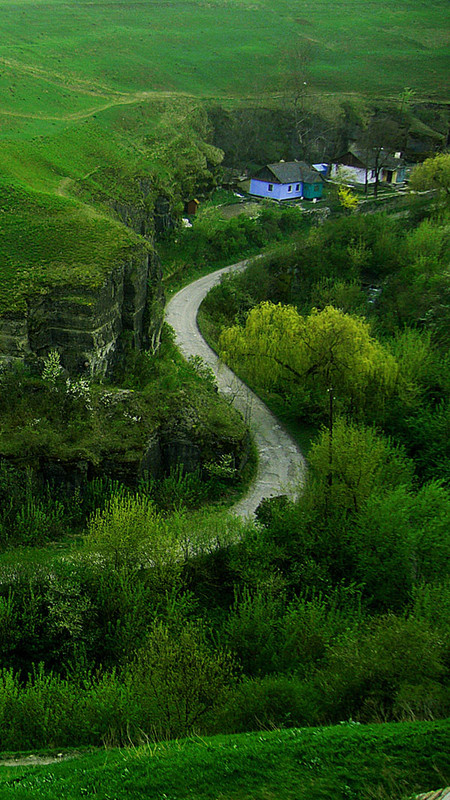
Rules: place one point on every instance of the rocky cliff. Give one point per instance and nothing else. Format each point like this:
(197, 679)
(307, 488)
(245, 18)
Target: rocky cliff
(84, 324)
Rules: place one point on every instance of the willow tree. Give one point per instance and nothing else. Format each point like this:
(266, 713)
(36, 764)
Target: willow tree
(433, 173)
(328, 349)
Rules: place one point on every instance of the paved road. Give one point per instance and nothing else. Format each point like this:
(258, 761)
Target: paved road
(281, 465)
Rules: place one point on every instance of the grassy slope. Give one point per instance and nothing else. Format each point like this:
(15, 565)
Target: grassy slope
(82, 83)
(347, 761)
(48, 241)
(62, 58)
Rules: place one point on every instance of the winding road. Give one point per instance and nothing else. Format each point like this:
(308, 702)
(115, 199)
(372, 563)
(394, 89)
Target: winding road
(281, 465)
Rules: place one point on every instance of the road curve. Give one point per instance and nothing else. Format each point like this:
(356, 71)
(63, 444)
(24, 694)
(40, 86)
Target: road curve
(281, 465)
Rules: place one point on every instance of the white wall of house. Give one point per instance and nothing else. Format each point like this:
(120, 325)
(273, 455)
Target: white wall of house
(351, 174)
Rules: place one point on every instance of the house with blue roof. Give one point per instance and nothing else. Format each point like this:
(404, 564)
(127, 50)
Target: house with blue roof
(287, 180)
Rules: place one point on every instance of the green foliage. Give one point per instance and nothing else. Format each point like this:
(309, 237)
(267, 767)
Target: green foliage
(130, 535)
(181, 676)
(274, 701)
(333, 350)
(52, 367)
(354, 462)
(272, 635)
(179, 489)
(214, 239)
(401, 541)
(396, 670)
(203, 370)
(29, 516)
(433, 173)
(418, 292)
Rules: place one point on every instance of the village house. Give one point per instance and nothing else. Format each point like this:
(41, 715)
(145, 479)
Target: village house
(287, 180)
(360, 165)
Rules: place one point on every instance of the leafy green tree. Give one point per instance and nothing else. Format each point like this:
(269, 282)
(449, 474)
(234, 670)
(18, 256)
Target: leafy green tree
(419, 292)
(394, 670)
(328, 348)
(359, 461)
(434, 173)
(401, 541)
(130, 535)
(181, 676)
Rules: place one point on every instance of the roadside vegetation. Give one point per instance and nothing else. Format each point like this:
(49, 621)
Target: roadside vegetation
(306, 649)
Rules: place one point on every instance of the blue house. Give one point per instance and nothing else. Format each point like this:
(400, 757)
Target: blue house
(287, 180)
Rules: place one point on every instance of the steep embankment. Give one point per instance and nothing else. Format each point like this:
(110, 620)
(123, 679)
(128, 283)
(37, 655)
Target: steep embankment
(72, 280)
(281, 466)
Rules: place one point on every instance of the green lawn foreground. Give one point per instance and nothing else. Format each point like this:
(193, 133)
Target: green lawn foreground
(344, 762)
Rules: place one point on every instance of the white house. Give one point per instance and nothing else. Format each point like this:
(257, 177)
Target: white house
(360, 165)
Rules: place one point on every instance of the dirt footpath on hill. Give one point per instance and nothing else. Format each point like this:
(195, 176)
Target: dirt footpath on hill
(281, 465)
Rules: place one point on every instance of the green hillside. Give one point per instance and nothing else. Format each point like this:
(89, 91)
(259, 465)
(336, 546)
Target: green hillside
(61, 60)
(346, 762)
(94, 95)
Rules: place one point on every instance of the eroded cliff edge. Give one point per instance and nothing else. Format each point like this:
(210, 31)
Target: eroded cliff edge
(85, 323)
(88, 285)
(75, 280)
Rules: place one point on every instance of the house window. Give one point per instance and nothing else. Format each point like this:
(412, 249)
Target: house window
(289, 188)
(372, 174)
(270, 187)
(297, 188)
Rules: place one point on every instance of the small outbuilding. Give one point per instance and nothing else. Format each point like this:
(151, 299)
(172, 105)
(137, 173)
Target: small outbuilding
(191, 207)
(287, 180)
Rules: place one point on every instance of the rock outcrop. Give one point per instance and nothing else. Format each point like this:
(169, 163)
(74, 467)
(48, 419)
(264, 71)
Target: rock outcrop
(172, 445)
(85, 324)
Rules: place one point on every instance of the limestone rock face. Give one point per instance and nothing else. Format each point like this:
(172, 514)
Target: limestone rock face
(162, 215)
(84, 325)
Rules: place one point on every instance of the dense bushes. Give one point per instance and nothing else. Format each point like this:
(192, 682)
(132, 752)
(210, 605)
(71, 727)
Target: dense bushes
(331, 666)
(364, 266)
(215, 241)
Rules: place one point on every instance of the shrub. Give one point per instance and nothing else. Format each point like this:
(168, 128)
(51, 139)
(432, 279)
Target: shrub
(275, 701)
(180, 677)
(400, 541)
(373, 678)
(129, 534)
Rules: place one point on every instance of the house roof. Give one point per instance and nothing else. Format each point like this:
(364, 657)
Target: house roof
(290, 172)
(367, 158)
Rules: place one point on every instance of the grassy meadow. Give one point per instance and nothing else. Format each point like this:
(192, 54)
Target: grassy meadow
(345, 762)
(60, 60)
(95, 94)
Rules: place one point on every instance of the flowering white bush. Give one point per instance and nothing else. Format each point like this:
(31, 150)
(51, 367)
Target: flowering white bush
(80, 389)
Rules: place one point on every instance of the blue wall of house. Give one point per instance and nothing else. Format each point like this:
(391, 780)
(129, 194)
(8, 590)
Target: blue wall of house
(285, 191)
(400, 176)
(280, 191)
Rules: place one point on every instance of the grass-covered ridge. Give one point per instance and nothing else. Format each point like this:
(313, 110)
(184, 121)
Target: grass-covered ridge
(62, 59)
(59, 194)
(346, 761)
(49, 241)
(97, 96)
